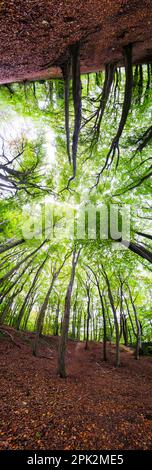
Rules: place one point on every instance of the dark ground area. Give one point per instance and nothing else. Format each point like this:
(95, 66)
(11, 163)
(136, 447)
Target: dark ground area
(35, 35)
(96, 407)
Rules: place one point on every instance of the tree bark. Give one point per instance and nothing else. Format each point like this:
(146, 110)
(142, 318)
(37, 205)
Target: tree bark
(22, 310)
(66, 75)
(115, 319)
(11, 272)
(88, 315)
(138, 335)
(65, 324)
(41, 316)
(4, 247)
(77, 91)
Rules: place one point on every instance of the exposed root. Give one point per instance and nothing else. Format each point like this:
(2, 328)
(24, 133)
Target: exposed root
(3, 330)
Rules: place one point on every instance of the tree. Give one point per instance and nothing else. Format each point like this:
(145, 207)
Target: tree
(65, 324)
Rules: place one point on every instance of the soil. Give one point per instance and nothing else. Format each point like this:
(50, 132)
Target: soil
(35, 35)
(96, 407)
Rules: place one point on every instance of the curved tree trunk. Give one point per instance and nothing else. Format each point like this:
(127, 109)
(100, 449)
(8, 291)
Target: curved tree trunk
(125, 109)
(109, 76)
(138, 249)
(7, 246)
(41, 316)
(17, 266)
(11, 299)
(22, 310)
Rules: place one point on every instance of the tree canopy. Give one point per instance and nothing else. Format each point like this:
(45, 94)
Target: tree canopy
(66, 145)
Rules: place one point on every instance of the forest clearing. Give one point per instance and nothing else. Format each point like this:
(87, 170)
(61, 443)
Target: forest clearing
(76, 225)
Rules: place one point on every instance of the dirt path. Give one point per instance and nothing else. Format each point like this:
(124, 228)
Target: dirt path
(34, 36)
(96, 407)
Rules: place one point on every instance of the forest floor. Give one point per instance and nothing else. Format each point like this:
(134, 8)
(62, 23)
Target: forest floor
(96, 407)
(35, 35)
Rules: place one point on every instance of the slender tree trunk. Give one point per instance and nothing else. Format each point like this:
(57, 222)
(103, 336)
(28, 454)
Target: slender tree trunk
(88, 316)
(130, 318)
(125, 330)
(57, 318)
(115, 319)
(15, 283)
(121, 312)
(7, 246)
(109, 320)
(77, 91)
(17, 266)
(22, 310)
(138, 249)
(65, 324)
(11, 300)
(126, 107)
(104, 324)
(41, 316)
(109, 76)
(138, 335)
(104, 318)
(74, 318)
(84, 328)
(26, 319)
(66, 74)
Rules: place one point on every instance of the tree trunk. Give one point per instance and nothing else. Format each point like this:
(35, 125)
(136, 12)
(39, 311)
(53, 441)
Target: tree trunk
(138, 249)
(125, 110)
(17, 266)
(104, 324)
(66, 74)
(22, 310)
(41, 316)
(57, 318)
(7, 246)
(65, 324)
(77, 91)
(88, 316)
(138, 335)
(125, 331)
(115, 319)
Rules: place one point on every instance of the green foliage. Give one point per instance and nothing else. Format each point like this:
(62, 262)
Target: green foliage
(35, 114)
